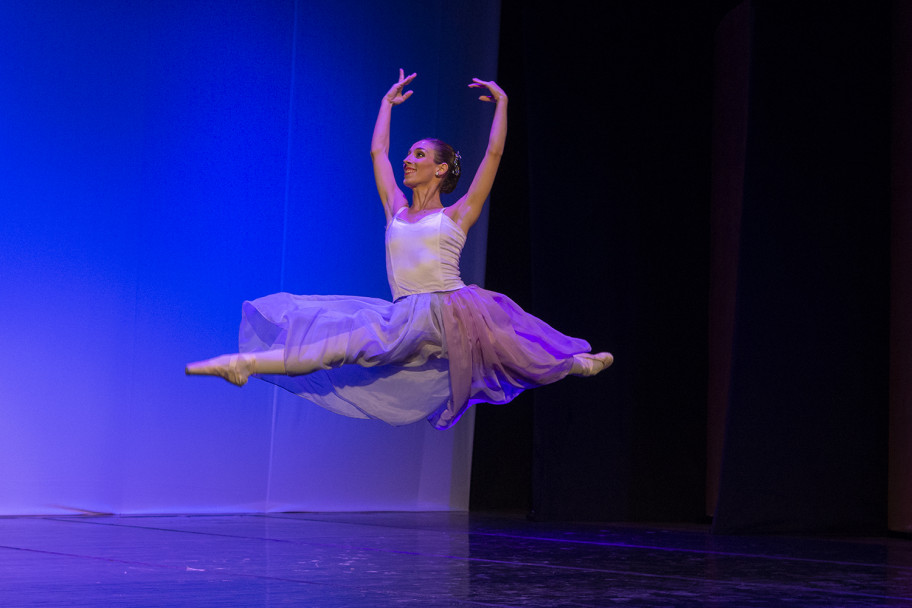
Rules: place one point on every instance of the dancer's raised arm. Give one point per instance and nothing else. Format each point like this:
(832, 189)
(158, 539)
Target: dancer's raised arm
(390, 194)
(467, 209)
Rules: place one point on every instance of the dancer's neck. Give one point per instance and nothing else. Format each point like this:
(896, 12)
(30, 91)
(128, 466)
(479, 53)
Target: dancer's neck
(425, 199)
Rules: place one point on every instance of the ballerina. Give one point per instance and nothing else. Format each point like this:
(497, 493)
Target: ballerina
(440, 346)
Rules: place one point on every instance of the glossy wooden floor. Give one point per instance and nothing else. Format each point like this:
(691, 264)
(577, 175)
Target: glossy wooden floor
(430, 559)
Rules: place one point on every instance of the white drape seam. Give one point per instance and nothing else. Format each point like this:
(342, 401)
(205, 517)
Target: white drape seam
(288, 153)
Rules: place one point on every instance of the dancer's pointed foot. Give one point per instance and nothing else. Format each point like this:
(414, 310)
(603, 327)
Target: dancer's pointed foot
(233, 368)
(587, 364)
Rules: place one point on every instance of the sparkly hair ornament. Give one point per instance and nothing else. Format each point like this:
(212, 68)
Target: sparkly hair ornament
(457, 164)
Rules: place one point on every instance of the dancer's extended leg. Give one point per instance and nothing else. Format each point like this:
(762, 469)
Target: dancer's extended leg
(236, 368)
(587, 364)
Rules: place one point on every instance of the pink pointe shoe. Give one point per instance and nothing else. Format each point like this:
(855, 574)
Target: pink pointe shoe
(233, 368)
(587, 364)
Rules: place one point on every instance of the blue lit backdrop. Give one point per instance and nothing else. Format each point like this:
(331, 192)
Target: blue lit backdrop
(162, 162)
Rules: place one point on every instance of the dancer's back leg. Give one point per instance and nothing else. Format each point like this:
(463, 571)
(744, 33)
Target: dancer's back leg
(236, 368)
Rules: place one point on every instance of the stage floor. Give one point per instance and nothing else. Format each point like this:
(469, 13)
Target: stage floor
(429, 560)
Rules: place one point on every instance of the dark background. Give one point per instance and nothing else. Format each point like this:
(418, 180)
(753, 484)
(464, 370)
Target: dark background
(601, 223)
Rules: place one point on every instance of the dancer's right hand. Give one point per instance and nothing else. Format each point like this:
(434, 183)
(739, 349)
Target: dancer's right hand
(395, 95)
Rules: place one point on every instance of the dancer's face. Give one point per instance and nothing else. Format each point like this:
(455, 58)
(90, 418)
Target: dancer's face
(418, 165)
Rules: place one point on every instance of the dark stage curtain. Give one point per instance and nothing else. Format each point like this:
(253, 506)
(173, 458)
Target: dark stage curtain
(705, 190)
(805, 441)
(729, 139)
(900, 470)
(605, 197)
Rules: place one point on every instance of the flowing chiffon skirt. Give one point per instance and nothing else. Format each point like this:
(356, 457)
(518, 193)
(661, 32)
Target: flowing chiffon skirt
(429, 355)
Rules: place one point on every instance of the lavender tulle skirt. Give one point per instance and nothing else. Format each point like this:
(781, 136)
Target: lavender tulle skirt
(429, 355)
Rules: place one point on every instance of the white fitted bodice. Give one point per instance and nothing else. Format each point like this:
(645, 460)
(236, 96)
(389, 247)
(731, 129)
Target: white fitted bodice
(423, 256)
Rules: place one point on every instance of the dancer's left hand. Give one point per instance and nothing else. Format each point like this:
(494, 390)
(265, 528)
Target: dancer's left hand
(496, 94)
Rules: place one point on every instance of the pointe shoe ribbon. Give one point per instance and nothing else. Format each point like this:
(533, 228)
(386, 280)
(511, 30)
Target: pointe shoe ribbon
(233, 368)
(587, 364)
